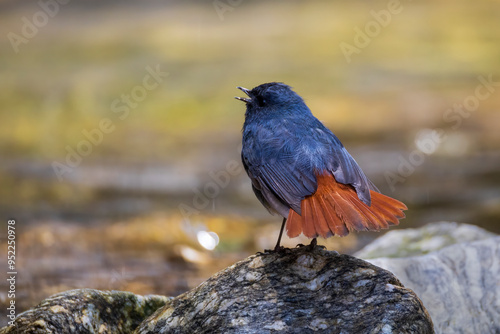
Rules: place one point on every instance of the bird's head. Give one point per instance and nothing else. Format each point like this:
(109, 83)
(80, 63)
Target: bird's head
(271, 97)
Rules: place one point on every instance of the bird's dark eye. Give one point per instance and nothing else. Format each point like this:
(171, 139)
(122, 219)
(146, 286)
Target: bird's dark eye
(261, 101)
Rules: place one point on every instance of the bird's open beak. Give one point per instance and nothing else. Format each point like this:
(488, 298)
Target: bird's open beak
(244, 99)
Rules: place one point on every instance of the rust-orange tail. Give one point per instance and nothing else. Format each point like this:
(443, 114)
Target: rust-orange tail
(336, 209)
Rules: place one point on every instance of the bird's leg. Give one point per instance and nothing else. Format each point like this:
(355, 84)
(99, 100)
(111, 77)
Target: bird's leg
(277, 248)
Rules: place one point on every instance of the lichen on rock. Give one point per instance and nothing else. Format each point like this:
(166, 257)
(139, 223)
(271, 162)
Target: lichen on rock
(87, 311)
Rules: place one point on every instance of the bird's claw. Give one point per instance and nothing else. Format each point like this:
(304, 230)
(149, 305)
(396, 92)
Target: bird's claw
(311, 246)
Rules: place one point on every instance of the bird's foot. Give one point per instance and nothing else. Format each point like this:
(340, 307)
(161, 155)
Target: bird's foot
(311, 246)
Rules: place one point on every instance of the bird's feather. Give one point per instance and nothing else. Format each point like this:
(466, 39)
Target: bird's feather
(335, 208)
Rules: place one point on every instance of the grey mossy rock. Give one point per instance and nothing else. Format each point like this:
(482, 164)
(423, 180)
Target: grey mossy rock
(298, 291)
(423, 240)
(87, 311)
(459, 285)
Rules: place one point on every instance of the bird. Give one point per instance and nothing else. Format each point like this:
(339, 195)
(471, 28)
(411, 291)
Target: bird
(301, 171)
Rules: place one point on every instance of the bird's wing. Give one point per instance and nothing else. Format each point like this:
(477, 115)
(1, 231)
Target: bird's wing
(280, 179)
(282, 183)
(345, 169)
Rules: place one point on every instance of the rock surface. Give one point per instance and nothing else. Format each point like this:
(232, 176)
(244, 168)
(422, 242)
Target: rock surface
(87, 311)
(298, 291)
(418, 241)
(459, 284)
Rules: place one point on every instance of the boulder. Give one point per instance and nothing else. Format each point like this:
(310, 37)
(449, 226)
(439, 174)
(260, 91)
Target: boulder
(295, 291)
(87, 311)
(458, 282)
(423, 240)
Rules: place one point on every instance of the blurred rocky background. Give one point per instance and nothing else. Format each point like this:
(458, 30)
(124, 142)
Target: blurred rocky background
(119, 134)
